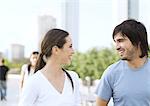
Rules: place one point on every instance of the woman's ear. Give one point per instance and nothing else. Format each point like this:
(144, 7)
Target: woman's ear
(55, 50)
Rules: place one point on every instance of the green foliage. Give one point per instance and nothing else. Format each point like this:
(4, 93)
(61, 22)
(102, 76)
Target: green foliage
(15, 65)
(93, 62)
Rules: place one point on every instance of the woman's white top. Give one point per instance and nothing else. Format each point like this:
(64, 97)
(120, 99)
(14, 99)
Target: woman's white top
(24, 69)
(38, 91)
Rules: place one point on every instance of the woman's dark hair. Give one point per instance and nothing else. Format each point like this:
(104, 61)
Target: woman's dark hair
(136, 32)
(29, 65)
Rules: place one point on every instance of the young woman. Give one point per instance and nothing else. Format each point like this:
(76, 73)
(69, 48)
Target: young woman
(52, 85)
(28, 69)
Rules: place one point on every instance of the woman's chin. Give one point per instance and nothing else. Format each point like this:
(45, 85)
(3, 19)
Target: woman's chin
(68, 63)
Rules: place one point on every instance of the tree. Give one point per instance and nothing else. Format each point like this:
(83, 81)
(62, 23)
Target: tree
(93, 62)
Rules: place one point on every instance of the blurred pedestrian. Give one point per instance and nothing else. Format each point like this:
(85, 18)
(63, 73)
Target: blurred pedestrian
(28, 69)
(3, 79)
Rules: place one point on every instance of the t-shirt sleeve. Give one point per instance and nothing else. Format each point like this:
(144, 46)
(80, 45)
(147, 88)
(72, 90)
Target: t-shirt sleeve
(104, 89)
(24, 68)
(29, 93)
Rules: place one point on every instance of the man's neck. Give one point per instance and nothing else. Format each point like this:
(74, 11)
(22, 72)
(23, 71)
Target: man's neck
(137, 63)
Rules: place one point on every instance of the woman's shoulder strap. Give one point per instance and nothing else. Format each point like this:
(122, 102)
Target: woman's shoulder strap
(69, 76)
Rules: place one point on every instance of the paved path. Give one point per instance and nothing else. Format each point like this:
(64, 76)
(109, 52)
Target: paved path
(12, 91)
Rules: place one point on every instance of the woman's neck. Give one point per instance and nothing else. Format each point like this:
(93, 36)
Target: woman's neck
(51, 68)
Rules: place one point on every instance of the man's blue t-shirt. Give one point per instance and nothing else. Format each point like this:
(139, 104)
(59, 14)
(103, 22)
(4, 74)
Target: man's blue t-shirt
(127, 86)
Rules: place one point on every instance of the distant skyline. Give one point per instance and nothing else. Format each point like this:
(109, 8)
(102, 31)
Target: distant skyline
(18, 22)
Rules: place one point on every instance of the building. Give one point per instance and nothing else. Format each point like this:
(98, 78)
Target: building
(16, 52)
(70, 19)
(45, 23)
(124, 9)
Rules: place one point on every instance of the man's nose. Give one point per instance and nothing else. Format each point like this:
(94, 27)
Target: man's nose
(117, 46)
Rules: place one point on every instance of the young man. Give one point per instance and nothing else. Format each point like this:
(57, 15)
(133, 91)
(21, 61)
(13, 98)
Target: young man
(3, 73)
(128, 80)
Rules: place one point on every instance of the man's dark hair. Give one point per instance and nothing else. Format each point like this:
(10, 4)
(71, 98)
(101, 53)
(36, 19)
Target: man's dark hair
(35, 52)
(136, 32)
(3, 61)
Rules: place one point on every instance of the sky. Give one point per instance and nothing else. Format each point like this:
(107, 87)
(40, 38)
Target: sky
(95, 24)
(18, 22)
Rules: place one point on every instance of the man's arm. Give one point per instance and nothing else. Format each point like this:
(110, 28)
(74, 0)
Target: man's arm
(101, 102)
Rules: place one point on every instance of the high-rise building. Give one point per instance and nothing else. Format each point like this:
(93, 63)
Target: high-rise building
(125, 9)
(45, 23)
(70, 19)
(119, 10)
(16, 52)
(133, 9)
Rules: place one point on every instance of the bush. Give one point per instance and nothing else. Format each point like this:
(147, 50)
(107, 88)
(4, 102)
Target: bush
(93, 62)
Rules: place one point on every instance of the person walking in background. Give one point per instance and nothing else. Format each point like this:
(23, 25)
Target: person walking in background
(128, 80)
(3, 79)
(28, 69)
(52, 85)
